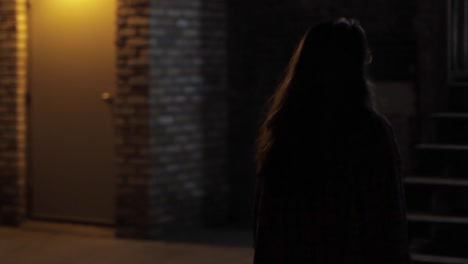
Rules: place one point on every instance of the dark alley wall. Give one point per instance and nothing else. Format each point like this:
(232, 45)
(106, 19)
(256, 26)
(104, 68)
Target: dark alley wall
(189, 187)
(171, 117)
(263, 34)
(432, 89)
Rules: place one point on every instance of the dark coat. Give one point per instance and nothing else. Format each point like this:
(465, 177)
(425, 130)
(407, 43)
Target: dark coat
(353, 213)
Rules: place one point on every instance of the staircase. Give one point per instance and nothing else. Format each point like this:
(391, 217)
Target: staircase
(437, 193)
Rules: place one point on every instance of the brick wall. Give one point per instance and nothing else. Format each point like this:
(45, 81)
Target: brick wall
(262, 36)
(170, 116)
(215, 110)
(13, 53)
(132, 119)
(188, 115)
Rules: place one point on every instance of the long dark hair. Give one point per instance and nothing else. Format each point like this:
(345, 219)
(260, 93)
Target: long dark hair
(324, 84)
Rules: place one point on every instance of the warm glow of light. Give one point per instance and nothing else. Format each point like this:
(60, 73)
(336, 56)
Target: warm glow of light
(73, 23)
(74, 3)
(71, 11)
(21, 87)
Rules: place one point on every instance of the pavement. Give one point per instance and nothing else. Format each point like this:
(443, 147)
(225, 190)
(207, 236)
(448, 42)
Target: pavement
(53, 244)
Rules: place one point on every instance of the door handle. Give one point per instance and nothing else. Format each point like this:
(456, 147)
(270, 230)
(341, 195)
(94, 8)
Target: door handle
(107, 97)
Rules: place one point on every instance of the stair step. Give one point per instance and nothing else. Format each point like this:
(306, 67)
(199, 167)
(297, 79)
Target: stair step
(450, 115)
(416, 217)
(448, 147)
(436, 181)
(427, 258)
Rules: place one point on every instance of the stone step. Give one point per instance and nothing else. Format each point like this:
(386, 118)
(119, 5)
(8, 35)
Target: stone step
(428, 258)
(442, 147)
(432, 218)
(425, 251)
(449, 115)
(436, 181)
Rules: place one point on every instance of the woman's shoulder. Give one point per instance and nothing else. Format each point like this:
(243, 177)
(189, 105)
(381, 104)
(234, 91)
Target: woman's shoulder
(382, 124)
(372, 134)
(375, 121)
(372, 128)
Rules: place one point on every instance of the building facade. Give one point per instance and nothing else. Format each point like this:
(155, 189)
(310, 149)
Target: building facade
(192, 77)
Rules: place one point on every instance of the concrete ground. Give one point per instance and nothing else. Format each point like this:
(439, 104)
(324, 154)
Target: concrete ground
(64, 244)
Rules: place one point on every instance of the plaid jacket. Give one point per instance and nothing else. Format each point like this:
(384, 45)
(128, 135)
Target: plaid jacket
(353, 214)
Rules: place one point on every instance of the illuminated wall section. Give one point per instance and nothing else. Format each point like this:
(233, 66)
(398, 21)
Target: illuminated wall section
(21, 92)
(13, 85)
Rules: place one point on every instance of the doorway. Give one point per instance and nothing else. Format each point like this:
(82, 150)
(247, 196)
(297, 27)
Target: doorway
(72, 80)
